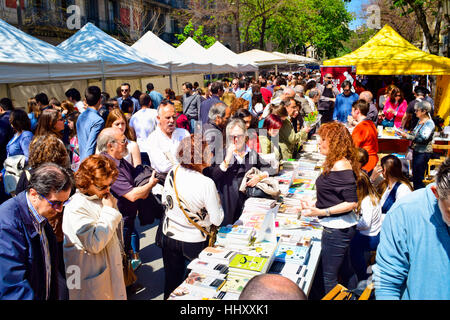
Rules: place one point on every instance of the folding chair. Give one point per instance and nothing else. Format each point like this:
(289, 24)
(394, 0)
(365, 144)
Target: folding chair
(339, 292)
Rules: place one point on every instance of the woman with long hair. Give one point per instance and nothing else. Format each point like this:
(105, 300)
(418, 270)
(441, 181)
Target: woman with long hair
(395, 184)
(367, 236)
(33, 112)
(19, 144)
(51, 122)
(117, 119)
(336, 201)
(394, 109)
(73, 139)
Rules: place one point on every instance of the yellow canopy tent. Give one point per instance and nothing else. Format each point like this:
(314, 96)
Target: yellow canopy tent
(388, 53)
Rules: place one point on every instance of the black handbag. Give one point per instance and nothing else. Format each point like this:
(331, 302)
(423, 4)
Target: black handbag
(255, 192)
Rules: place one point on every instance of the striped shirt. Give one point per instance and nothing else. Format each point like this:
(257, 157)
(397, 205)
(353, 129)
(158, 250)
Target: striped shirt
(39, 223)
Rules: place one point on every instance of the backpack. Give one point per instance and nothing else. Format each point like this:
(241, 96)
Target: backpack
(13, 168)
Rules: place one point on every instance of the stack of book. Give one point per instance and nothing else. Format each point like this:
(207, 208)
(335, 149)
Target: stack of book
(247, 266)
(290, 258)
(210, 268)
(255, 211)
(229, 236)
(217, 254)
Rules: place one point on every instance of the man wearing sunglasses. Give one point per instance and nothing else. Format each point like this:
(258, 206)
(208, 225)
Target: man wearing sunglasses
(125, 91)
(344, 101)
(28, 248)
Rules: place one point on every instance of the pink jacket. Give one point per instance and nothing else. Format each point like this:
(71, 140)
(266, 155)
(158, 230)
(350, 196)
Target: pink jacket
(400, 111)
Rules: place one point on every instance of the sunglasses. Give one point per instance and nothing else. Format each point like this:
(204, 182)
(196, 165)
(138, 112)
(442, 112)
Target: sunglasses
(102, 187)
(57, 205)
(125, 90)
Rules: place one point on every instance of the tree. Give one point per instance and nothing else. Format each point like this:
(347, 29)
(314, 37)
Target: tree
(431, 29)
(196, 34)
(141, 18)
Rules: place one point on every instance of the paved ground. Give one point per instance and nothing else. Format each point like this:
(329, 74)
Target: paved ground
(151, 273)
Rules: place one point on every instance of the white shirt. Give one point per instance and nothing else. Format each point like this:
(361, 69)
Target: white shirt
(203, 196)
(144, 122)
(80, 106)
(341, 222)
(402, 191)
(162, 150)
(369, 223)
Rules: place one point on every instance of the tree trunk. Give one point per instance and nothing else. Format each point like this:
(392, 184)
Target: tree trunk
(263, 34)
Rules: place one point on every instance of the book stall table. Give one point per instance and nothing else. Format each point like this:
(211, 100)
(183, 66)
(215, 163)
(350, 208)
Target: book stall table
(271, 236)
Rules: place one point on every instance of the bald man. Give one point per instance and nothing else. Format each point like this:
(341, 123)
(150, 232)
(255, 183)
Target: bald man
(272, 287)
(372, 115)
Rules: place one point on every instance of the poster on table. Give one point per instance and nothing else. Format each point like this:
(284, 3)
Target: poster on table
(340, 73)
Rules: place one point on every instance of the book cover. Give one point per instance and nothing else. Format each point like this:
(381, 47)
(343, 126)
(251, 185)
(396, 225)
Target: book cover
(189, 292)
(204, 281)
(249, 263)
(217, 253)
(208, 267)
(291, 253)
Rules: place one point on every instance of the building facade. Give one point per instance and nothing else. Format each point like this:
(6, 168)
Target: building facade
(56, 20)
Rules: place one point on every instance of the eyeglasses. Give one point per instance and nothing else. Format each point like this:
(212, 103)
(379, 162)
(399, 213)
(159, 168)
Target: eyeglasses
(238, 136)
(102, 187)
(57, 205)
(123, 141)
(125, 90)
(346, 90)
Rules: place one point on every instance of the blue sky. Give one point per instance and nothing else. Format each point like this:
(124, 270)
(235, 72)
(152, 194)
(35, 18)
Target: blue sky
(355, 7)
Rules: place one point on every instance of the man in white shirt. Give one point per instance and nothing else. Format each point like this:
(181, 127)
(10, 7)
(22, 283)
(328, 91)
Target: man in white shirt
(144, 122)
(163, 142)
(74, 96)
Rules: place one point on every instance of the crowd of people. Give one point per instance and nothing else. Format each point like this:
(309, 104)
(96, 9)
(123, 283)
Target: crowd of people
(84, 169)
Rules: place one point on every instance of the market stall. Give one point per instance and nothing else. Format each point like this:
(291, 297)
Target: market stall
(388, 53)
(271, 236)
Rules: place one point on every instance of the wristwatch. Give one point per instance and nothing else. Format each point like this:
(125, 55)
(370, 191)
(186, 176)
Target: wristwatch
(327, 212)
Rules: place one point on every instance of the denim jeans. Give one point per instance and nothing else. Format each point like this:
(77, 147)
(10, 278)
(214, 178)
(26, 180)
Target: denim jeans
(359, 246)
(336, 258)
(135, 241)
(419, 166)
(176, 256)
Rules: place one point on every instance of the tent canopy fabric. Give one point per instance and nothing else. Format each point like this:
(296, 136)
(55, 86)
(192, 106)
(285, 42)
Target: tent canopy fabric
(155, 48)
(219, 51)
(24, 58)
(295, 58)
(263, 58)
(195, 53)
(118, 59)
(388, 53)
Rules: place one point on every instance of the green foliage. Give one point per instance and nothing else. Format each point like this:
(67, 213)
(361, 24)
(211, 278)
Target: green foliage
(196, 34)
(293, 25)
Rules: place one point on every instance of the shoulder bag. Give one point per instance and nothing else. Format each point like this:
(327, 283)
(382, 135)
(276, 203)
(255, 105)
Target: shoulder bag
(213, 229)
(390, 199)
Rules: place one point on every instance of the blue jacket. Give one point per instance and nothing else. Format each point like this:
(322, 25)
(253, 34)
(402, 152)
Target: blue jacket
(156, 98)
(413, 257)
(206, 105)
(22, 264)
(343, 106)
(20, 145)
(89, 125)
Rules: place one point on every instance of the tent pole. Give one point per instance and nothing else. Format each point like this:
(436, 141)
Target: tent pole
(170, 76)
(103, 77)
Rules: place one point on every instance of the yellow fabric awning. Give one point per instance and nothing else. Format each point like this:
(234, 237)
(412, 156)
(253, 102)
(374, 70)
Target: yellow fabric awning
(388, 53)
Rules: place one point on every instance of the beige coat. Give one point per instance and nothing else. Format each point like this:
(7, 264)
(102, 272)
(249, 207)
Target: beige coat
(91, 243)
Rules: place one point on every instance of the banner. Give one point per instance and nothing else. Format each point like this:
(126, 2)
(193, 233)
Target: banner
(442, 98)
(340, 73)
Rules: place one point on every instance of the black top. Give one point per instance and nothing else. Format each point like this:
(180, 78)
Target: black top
(336, 187)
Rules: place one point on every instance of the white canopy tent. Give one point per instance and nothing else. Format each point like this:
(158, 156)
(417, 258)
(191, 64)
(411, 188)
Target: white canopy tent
(295, 58)
(117, 59)
(155, 48)
(195, 53)
(222, 53)
(263, 58)
(24, 58)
